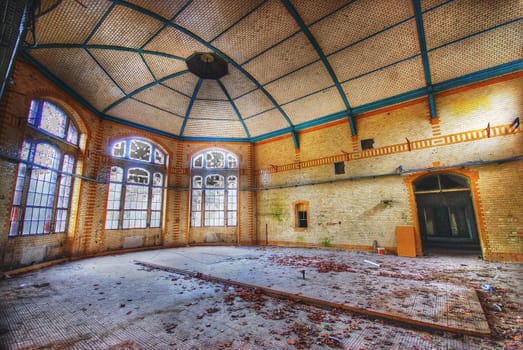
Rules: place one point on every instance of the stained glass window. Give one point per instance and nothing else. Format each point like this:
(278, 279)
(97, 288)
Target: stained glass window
(136, 202)
(214, 193)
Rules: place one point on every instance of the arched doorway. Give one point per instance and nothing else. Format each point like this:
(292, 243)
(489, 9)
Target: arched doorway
(445, 213)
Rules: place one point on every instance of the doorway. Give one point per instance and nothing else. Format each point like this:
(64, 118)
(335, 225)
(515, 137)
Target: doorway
(446, 214)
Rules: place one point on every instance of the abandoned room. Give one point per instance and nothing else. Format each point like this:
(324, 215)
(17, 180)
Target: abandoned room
(261, 174)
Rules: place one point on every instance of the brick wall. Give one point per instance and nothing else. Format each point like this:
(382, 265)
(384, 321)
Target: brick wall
(352, 213)
(343, 212)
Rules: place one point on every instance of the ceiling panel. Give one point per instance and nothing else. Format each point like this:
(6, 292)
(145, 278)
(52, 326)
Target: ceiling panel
(219, 110)
(184, 83)
(307, 109)
(176, 43)
(162, 66)
(113, 31)
(357, 21)
(210, 89)
(253, 103)
(127, 69)
(165, 99)
(395, 44)
(65, 63)
(237, 83)
(394, 80)
(300, 83)
(166, 9)
(214, 128)
(142, 114)
(266, 26)
(50, 27)
(476, 53)
(208, 19)
(313, 10)
(265, 123)
(282, 59)
(461, 18)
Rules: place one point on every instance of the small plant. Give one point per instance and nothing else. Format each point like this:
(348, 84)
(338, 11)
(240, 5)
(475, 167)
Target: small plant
(326, 241)
(300, 239)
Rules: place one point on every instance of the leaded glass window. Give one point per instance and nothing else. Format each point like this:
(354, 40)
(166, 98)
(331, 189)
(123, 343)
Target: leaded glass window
(42, 194)
(49, 118)
(135, 198)
(214, 192)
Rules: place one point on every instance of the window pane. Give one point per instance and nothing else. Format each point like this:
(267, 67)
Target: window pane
(215, 159)
(214, 181)
(232, 182)
(136, 197)
(231, 218)
(72, 134)
(138, 175)
(157, 179)
(196, 200)
(47, 156)
(116, 174)
(53, 120)
(119, 149)
(196, 219)
(65, 182)
(198, 161)
(197, 182)
(232, 161)
(140, 150)
(214, 199)
(156, 200)
(32, 118)
(159, 156)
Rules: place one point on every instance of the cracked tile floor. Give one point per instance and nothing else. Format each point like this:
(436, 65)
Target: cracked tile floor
(121, 302)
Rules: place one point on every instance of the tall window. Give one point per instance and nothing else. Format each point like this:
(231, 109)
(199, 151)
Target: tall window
(136, 185)
(41, 201)
(214, 193)
(301, 210)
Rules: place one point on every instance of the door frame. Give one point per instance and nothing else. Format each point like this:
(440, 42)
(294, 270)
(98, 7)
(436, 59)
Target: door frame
(472, 177)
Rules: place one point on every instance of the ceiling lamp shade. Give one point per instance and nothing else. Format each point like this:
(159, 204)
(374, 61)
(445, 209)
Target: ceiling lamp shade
(207, 65)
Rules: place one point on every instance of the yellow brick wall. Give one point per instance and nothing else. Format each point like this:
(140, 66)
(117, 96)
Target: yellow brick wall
(352, 212)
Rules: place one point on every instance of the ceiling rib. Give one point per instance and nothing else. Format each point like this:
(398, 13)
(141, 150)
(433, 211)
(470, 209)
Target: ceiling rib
(424, 57)
(235, 108)
(145, 87)
(324, 60)
(104, 47)
(105, 71)
(219, 53)
(106, 14)
(238, 20)
(189, 107)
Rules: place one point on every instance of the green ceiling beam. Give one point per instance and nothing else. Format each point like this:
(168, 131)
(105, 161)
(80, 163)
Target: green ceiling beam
(324, 60)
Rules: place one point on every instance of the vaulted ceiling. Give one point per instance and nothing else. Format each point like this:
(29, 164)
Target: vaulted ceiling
(290, 64)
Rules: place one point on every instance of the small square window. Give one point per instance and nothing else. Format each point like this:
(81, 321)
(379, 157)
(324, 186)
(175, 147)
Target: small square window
(339, 168)
(367, 144)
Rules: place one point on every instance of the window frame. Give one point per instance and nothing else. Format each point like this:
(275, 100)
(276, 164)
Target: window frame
(121, 212)
(30, 186)
(225, 197)
(301, 207)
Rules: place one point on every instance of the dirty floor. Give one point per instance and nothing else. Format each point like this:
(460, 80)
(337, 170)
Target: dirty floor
(264, 298)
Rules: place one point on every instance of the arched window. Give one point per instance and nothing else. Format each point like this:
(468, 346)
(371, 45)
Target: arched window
(214, 189)
(41, 201)
(136, 185)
